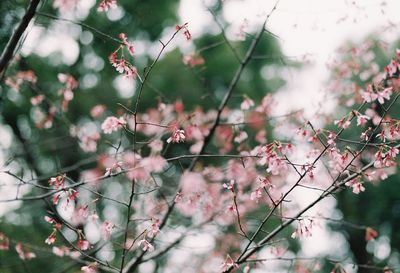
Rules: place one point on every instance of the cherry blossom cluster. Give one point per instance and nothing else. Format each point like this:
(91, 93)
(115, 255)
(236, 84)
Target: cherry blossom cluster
(121, 64)
(15, 81)
(105, 5)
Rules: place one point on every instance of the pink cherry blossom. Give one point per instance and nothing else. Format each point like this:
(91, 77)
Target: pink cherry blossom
(115, 168)
(65, 5)
(186, 31)
(242, 136)
(230, 185)
(156, 146)
(4, 242)
(131, 72)
(193, 60)
(178, 197)
(111, 124)
(247, 104)
(385, 94)
(154, 163)
(356, 185)
(106, 228)
(97, 110)
(36, 100)
(15, 82)
(228, 263)
(83, 244)
(370, 234)
(23, 253)
(51, 239)
(362, 119)
(57, 182)
(155, 227)
(60, 251)
(344, 123)
(256, 195)
(304, 227)
(105, 5)
(177, 136)
(129, 45)
(391, 68)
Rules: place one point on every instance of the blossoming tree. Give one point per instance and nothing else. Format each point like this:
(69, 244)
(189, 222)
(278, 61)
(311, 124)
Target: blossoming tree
(129, 182)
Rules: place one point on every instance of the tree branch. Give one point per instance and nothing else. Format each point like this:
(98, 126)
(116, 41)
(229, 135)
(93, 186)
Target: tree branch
(8, 51)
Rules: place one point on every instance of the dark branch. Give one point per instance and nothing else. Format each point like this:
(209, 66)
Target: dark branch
(8, 51)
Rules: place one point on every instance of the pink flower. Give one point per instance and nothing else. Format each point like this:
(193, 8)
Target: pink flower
(4, 243)
(121, 66)
(50, 240)
(88, 142)
(356, 185)
(228, 263)
(105, 5)
(73, 194)
(247, 104)
(154, 163)
(186, 31)
(111, 124)
(131, 72)
(115, 168)
(192, 182)
(83, 244)
(370, 234)
(187, 34)
(385, 94)
(178, 197)
(303, 229)
(49, 219)
(113, 59)
(146, 246)
(392, 153)
(276, 165)
(386, 269)
(362, 119)
(369, 96)
(155, 227)
(97, 110)
(56, 199)
(391, 68)
(60, 251)
(331, 138)
(37, 99)
(256, 195)
(69, 81)
(344, 123)
(242, 136)
(16, 81)
(156, 146)
(129, 45)
(229, 186)
(24, 254)
(65, 5)
(177, 136)
(107, 227)
(57, 182)
(193, 60)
